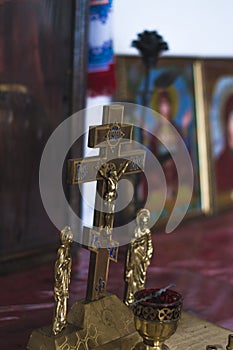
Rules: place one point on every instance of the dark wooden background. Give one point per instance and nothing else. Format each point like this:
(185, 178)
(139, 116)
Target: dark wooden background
(42, 81)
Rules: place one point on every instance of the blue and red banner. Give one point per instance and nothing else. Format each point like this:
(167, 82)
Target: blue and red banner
(101, 69)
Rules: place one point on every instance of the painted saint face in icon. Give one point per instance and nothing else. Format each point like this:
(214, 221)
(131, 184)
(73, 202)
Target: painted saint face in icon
(164, 105)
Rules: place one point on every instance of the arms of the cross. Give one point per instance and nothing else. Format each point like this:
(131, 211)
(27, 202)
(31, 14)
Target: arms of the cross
(87, 170)
(96, 240)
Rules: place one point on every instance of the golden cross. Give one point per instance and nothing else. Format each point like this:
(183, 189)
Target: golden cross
(107, 169)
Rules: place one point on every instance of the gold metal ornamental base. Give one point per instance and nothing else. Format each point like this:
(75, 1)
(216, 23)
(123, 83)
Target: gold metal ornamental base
(105, 324)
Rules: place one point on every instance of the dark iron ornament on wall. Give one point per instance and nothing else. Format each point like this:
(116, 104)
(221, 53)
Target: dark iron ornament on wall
(150, 45)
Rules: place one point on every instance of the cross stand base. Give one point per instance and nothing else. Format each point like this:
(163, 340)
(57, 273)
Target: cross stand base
(105, 324)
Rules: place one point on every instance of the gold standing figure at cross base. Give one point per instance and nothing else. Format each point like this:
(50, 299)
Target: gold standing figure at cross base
(62, 280)
(138, 258)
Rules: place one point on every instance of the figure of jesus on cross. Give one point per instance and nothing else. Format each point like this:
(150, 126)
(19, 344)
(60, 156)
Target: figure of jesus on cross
(111, 178)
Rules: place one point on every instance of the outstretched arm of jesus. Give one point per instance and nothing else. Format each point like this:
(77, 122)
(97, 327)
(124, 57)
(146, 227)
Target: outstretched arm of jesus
(123, 169)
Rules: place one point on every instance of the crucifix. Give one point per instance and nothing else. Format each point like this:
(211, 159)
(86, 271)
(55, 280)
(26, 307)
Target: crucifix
(107, 168)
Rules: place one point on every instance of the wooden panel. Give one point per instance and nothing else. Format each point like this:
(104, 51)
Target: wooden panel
(36, 63)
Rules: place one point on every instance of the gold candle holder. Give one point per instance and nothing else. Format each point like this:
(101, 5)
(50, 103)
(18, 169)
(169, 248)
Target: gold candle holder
(156, 317)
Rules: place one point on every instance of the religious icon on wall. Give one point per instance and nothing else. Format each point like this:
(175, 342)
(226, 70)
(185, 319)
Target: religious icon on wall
(218, 75)
(171, 94)
(34, 78)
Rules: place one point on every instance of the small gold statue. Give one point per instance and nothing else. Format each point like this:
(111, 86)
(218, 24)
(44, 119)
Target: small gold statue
(138, 258)
(111, 178)
(62, 280)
